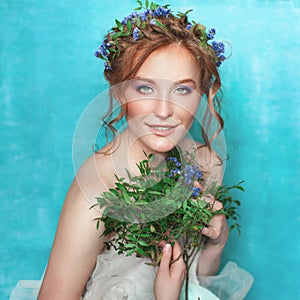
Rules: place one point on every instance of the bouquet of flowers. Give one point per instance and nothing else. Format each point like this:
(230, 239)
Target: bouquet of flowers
(163, 204)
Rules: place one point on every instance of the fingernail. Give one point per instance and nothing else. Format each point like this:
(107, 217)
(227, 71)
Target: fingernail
(167, 248)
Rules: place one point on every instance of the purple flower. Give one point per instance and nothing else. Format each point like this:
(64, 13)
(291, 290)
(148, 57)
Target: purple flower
(189, 26)
(135, 34)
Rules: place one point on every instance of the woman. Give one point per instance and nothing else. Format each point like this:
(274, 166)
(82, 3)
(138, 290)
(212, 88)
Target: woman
(157, 65)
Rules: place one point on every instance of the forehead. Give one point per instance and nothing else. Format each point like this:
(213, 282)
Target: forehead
(172, 62)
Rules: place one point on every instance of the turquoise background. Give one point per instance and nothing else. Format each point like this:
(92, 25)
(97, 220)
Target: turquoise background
(49, 75)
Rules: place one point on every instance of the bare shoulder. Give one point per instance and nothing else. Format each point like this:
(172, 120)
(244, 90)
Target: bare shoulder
(95, 176)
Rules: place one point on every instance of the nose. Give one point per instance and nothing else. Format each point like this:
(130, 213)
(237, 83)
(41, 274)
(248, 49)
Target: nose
(163, 108)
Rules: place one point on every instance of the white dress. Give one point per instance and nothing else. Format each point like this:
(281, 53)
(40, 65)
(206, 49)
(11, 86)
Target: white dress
(117, 277)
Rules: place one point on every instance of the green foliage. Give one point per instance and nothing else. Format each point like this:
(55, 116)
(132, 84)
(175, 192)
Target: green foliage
(159, 205)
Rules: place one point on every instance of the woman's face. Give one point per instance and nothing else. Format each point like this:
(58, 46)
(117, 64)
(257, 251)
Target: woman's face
(162, 99)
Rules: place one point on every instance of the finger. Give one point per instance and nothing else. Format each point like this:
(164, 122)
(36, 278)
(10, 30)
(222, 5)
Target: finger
(178, 268)
(208, 232)
(177, 252)
(162, 244)
(166, 258)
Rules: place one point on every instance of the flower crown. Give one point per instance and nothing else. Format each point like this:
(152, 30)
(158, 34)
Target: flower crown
(133, 24)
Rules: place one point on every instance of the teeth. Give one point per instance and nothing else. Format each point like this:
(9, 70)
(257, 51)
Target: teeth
(161, 128)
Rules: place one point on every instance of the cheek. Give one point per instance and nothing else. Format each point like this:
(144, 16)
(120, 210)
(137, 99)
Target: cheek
(188, 112)
(136, 108)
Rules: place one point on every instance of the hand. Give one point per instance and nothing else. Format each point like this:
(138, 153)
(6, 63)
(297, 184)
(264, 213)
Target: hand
(169, 278)
(217, 229)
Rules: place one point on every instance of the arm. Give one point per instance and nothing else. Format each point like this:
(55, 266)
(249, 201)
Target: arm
(169, 278)
(75, 248)
(217, 233)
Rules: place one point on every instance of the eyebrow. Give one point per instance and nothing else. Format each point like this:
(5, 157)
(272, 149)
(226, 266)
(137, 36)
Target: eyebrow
(176, 82)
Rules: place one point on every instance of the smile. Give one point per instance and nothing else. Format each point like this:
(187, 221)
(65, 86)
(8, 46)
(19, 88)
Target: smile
(162, 130)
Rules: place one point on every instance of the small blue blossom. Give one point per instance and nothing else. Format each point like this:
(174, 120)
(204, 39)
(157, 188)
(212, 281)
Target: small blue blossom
(172, 158)
(124, 22)
(144, 15)
(107, 44)
(196, 191)
(161, 11)
(218, 48)
(197, 172)
(192, 173)
(189, 26)
(211, 34)
(153, 21)
(174, 172)
(101, 51)
(135, 34)
(107, 66)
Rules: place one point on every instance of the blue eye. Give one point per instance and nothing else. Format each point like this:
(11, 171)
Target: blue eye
(144, 89)
(183, 90)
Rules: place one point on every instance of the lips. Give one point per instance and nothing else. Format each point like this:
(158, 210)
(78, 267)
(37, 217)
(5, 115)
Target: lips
(162, 130)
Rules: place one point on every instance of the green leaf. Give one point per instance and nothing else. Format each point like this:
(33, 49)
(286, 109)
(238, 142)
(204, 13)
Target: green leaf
(119, 25)
(129, 245)
(141, 252)
(158, 23)
(130, 252)
(155, 193)
(116, 35)
(126, 197)
(132, 238)
(128, 25)
(142, 243)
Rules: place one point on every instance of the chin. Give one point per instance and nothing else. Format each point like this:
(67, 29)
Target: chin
(161, 145)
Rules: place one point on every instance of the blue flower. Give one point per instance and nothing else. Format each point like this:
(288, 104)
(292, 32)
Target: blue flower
(218, 48)
(196, 191)
(174, 172)
(172, 158)
(192, 173)
(124, 22)
(189, 26)
(161, 11)
(135, 34)
(107, 66)
(153, 22)
(211, 34)
(101, 51)
(143, 15)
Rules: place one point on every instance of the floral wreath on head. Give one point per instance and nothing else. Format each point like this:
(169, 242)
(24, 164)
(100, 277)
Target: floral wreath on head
(133, 25)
